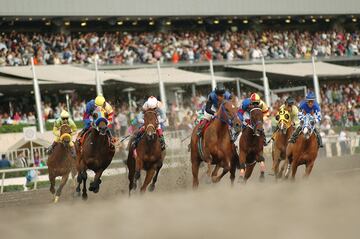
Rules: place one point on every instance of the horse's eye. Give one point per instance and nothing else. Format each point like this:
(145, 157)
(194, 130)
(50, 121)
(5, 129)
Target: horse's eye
(287, 116)
(277, 117)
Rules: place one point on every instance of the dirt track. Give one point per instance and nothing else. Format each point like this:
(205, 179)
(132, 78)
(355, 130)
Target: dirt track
(325, 206)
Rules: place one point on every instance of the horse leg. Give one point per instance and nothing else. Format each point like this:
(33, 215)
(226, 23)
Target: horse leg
(294, 166)
(84, 178)
(233, 170)
(224, 172)
(242, 159)
(64, 179)
(195, 172)
(308, 169)
(149, 175)
(215, 173)
(248, 170)
(131, 176)
(152, 185)
(52, 183)
(95, 185)
(276, 163)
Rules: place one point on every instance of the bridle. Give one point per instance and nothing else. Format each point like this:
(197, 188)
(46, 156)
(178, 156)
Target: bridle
(229, 120)
(150, 126)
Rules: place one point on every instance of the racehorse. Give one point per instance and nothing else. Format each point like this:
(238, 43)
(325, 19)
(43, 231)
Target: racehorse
(147, 155)
(281, 137)
(95, 153)
(251, 142)
(61, 162)
(215, 145)
(305, 150)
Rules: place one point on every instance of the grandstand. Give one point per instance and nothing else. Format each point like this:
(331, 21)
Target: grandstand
(129, 38)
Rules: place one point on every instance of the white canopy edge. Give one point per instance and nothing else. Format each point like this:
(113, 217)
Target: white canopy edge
(302, 69)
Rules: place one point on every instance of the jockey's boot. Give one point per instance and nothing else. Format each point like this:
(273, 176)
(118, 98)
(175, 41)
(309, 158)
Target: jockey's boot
(265, 142)
(162, 139)
(72, 150)
(137, 138)
(318, 137)
(51, 148)
(81, 134)
(201, 127)
(295, 135)
(234, 135)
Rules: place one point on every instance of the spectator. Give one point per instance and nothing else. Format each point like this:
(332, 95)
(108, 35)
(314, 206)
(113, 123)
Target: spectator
(30, 177)
(21, 161)
(4, 162)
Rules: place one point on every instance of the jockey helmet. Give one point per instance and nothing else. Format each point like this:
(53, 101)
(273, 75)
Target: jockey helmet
(255, 98)
(290, 101)
(152, 102)
(220, 89)
(310, 96)
(64, 114)
(99, 100)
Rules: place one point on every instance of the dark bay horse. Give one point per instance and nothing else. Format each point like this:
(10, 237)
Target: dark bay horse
(95, 153)
(281, 137)
(305, 149)
(251, 142)
(147, 156)
(61, 162)
(215, 146)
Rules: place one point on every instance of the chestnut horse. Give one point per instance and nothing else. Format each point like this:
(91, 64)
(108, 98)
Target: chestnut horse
(251, 142)
(147, 156)
(305, 149)
(281, 137)
(215, 146)
(61, 162)
(95, 153)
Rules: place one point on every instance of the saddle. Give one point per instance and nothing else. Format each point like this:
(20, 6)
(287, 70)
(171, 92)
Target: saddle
(205, 127)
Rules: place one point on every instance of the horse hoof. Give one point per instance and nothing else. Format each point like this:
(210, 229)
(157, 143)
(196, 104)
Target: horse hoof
(56, 199)
(96, 190)
(151, 188)
(77, 190)
(262, 177)
(92, 186)
(84, 197)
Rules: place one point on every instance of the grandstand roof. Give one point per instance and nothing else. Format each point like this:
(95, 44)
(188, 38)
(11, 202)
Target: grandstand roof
(303, 69)
(168, 75)
(66, 74)
(176, 8)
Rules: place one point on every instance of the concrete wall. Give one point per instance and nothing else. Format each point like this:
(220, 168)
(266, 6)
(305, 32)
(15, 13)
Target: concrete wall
(176, 8)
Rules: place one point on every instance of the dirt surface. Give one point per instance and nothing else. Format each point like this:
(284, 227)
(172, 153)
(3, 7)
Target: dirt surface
(327, 205)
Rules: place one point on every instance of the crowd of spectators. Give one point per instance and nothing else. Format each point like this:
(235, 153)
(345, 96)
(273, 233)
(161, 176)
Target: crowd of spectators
(148, 47)
(340, 107)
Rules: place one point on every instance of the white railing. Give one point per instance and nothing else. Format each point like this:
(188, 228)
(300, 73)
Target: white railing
(3, 172)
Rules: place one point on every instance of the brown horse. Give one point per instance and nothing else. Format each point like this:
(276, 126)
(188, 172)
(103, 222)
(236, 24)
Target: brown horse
(305, 150)
(61, 162)
(251, 142)
(215, 146)
(281, 137)
(147, 156)
(96, 153)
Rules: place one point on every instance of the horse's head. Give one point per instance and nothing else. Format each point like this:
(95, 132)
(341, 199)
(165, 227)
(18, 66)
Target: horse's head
(228, 114)
(283, 120)
(308, 125)
(100, 121)
(257, 120)
(151, 123)
(65, 134)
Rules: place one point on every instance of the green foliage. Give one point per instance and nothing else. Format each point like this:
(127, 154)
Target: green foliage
(19, 127)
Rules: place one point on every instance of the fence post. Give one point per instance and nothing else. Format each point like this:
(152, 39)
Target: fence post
(36, 178)
(2, 182)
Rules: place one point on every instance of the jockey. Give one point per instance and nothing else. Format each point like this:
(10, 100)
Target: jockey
(64, 119)
(212, 104)
(308, 106)
(293, 111)
(254, 100)
(154, 104)
(244, 115)
(90, 108)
